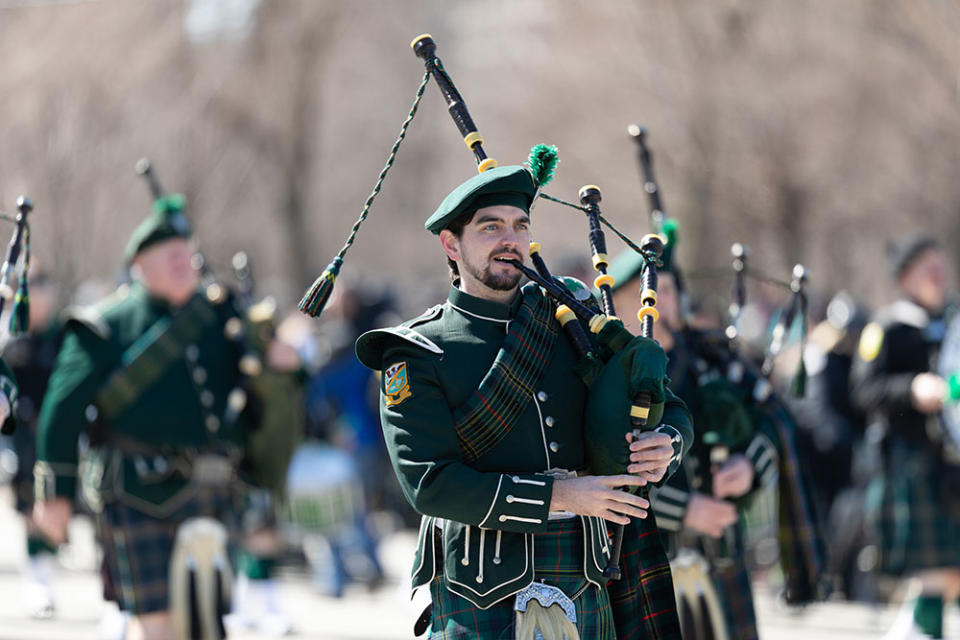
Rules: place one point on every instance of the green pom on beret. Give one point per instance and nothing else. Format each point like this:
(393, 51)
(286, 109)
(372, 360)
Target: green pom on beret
(167, 221)
(511, 185)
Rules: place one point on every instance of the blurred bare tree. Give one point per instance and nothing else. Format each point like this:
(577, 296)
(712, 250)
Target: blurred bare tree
(812, 131)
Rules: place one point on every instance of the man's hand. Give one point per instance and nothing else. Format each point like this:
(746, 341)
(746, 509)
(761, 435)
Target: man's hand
(734, 478)
(650, 455)
(52, 518)
(709, 516)
(927, 391)
(599, 496)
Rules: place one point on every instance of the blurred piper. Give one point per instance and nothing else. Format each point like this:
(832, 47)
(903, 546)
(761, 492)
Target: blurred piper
(913, 512)
(153, 375)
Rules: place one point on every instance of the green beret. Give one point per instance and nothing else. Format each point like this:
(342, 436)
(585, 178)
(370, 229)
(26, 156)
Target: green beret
(167, 221)
(625, 267)
(512, 185)
(902, 253)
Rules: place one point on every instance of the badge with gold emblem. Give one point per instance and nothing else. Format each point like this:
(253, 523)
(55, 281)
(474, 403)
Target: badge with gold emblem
(871, 342)
(396, 386)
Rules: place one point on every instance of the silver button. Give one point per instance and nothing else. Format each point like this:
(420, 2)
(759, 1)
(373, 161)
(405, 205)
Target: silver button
(479, 578)
(549, 421)
(192, 352)
(464, 561)
(510, 498)
(213, 423)
(503, 518)
(542, 396)
(160, 464)
(497, 560)
(554, 447)
(199, 375)
(206, 398)
(91, 413)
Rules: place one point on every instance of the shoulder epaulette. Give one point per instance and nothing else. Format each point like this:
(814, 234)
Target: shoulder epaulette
(430, 314)
(904, 312)
(372, 344)
(91, 318)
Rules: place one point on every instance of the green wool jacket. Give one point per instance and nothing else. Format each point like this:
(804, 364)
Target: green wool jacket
(479, 518)
(183, 411)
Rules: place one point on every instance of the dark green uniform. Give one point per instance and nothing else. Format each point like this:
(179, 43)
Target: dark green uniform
(141, 459)
(911, 502)
(487, 527)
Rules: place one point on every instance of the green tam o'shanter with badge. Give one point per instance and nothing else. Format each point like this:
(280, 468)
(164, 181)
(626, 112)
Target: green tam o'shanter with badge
(512, 186)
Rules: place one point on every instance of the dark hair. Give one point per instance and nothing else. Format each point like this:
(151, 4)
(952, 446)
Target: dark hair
(456, 228)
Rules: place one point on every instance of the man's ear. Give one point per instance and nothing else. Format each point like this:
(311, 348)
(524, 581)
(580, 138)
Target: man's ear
(450, 244)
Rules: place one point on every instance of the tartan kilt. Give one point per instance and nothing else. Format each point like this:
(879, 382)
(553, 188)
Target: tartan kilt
(137, 547)
(913, 525)
(643, 600)
(558, 561)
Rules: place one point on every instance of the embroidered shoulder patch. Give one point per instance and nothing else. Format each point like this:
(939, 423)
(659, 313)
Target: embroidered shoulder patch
(871, 341)
(396, 385)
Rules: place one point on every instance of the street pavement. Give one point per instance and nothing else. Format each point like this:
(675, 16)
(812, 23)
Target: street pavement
(384, 613)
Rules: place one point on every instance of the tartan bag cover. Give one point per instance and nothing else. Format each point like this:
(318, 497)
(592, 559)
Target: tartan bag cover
(643, 600)
(802, 552)
(489, 414)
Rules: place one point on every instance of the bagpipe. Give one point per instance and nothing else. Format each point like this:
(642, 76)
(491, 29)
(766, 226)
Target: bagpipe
(19, 242)
(593, 329)
(723, 369)
(20, 313)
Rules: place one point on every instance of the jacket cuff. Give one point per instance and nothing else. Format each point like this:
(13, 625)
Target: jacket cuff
(54, 480)
(521, 503)
(765, 460)
(669, 505)
(676, 440)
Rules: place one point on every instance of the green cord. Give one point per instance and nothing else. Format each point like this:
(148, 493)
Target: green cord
(383, 173)
(627, 241)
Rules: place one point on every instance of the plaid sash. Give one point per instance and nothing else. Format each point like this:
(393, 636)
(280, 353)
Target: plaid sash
(148, 358)
(486, 418)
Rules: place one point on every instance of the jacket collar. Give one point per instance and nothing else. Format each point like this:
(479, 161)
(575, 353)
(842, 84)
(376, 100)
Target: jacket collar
(480, 308)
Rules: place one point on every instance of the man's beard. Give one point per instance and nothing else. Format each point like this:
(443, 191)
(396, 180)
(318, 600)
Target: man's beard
(504, 282)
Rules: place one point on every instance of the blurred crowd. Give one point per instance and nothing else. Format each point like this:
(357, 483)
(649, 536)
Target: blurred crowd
(337, 495)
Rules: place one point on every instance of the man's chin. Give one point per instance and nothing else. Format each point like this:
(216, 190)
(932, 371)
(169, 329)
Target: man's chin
(502, 283)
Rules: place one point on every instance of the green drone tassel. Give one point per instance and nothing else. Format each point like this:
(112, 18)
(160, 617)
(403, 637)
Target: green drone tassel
(669, 230)
(20, 314)
(542, 163)
(315, 299)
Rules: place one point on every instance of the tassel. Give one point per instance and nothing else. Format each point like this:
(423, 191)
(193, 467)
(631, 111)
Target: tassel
(20, 314)
(316, 298)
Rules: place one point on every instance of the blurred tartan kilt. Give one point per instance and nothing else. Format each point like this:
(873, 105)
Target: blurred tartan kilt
(909, 516)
